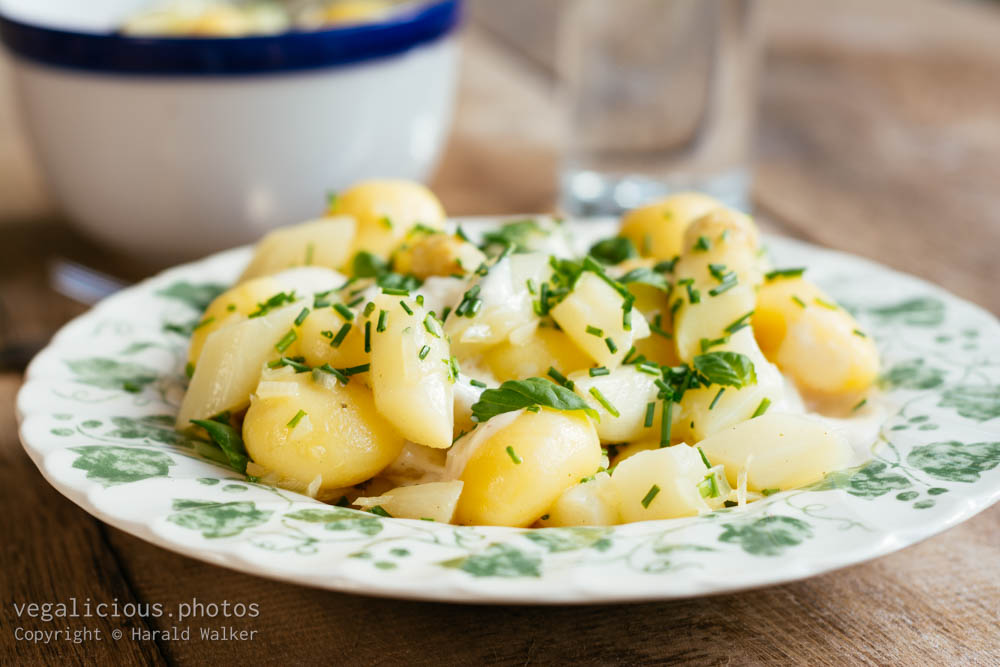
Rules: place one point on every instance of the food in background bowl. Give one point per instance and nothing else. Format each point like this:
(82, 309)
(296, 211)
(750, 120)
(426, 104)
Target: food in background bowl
(375, 358)
(218, 18)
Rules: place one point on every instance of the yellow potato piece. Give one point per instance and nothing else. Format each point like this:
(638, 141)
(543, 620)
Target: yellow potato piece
(317, 335)
(778, 451)
(433, 500)
(657, 229)
(231, 362)
(341, 436)
(324, 242)
(592, 314)
(385, 212)
(437, 255)
(230, 307)
(546, 347)
(555, 449)
(413, 390)
(591, 503)
(629, 392)
(661, 484)
(809, 337)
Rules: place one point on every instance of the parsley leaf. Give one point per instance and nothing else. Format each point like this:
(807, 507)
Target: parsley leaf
(518, 394)
(726, 368)
(614, 250)
(367, 265)
(228, 440)
(521, 234)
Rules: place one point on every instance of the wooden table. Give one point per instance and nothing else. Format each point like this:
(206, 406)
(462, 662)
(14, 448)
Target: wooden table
(879, 134)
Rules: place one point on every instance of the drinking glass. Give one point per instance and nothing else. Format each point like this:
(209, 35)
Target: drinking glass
(660, 98)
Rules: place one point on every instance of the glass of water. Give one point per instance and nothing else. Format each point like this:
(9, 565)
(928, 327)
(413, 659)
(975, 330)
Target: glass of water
(660, 98)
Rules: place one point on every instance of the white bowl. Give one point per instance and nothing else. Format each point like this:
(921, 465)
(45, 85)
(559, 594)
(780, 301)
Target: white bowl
(171, 148)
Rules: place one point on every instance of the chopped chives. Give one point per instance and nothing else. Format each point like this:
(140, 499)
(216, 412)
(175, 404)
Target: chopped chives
(533, 408)
(799, 301)
(702, 243)
(704, 459)
(303, 314)
(513, 455)
(368, 336)
(666, 422)
(718, 271)
(765, 403)
(716, 399)
(859, 332)
(204, 323)
(648, 367)
(294, 421)
(355, 302)
(594, 331)
(611, 345)
(707, 344)
(784, 273)
(650, 411)
(408, 310)
(612, 410)
(326, 333)
(231, 307)
(423, 352)
(445, 313)
(559, 377)
(628, 355)
(770, 492)
(189, 369)
(339, 338)
(379, 510)
(531, 286)
(369, 309)
(708, 487)
(381, 320)
(739, 323)
(354, 370)
(344, 311)
(600, 370)
(420, 299)
(327, 368)
(653, 490)
(286, 340)
(295, 363)
(310, 251)
(826, 304)
(474, 307)
(860, 405)
(726, 286)
(694, 296)
(395, 291)
(432, 326)
(385, 221)
(476, 383)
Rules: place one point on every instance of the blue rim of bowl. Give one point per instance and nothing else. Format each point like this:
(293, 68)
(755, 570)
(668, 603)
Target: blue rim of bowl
(405, 29)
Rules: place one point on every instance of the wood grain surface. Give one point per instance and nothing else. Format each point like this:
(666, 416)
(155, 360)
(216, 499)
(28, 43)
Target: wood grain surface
(879, 134)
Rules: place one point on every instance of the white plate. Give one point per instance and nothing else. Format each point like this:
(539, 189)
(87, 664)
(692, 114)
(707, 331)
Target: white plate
(97, 411)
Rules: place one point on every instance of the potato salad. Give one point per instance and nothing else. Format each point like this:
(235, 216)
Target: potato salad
(382, 359)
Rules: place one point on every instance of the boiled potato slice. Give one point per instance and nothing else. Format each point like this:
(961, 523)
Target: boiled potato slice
(319, 428)
(433, 500)
(710, 319)
(591, 503)
(629, 392)
(592, 315)
(385, 212)
(437, 255)
(631, 449)
(546, 347)
(318, 339)
(657, 229)
(514, 473)
(416, 464)
(231, 362)
(778, 451)
(413, 386)
(230, 307)
(819, 344)
(721, 226)
(324, 242)
(661, 484)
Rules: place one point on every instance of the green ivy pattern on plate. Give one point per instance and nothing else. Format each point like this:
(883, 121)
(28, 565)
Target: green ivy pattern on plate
(97, 417)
